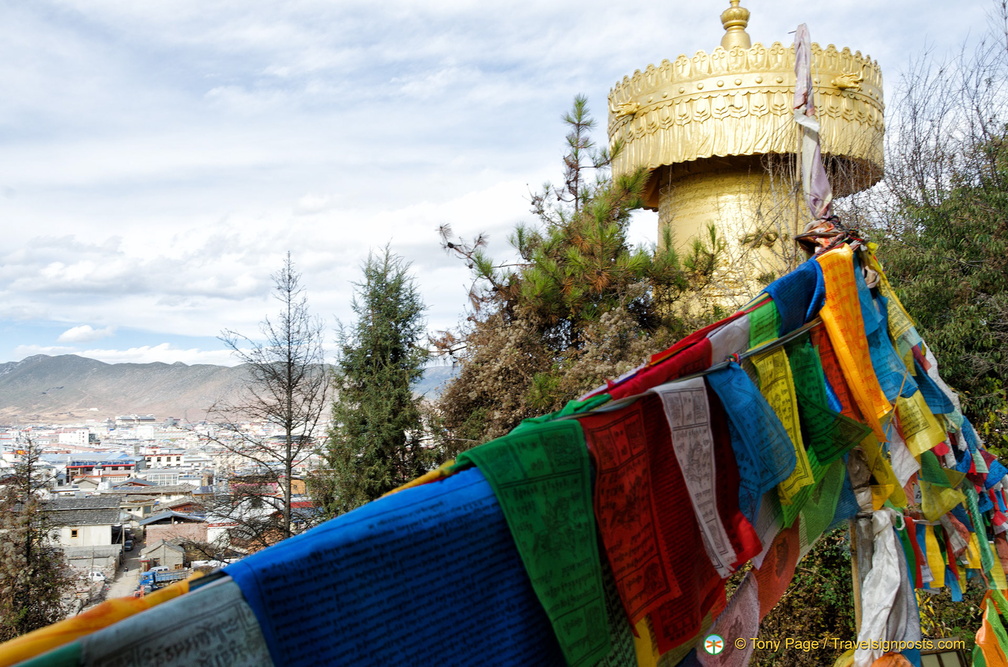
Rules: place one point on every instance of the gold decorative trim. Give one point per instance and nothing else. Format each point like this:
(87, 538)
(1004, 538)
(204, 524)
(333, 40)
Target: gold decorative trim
(739, 102)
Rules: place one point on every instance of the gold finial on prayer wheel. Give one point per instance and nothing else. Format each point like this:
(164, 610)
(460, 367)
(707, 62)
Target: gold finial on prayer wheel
(735, 19)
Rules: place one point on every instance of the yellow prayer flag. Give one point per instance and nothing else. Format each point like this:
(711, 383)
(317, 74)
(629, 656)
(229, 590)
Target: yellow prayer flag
(934, 557)
(777, 386)
(111, 611)
(900, 322)
(879, 466)
(973, 553)
(918, 425)
(998, 575)
(841, 315)
(644, 645)
(879, 495)
(936, 501)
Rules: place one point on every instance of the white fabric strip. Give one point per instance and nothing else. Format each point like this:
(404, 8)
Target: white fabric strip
(688, 416)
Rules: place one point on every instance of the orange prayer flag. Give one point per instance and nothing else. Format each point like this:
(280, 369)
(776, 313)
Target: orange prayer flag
(841, 315)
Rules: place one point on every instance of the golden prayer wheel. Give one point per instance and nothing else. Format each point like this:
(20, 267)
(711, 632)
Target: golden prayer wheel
(717, 134)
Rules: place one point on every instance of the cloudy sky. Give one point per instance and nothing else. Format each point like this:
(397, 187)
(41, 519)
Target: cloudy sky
(159, 158)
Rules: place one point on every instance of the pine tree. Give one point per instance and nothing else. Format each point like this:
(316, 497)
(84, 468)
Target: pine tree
(579, 305)
(375, 438)
(34, 576)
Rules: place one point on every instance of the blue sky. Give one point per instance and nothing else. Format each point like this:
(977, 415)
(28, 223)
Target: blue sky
(159, 158)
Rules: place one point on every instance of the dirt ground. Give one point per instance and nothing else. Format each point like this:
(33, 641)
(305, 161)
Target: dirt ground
(127, 576)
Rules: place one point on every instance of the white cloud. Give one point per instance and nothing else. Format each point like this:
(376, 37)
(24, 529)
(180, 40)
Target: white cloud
(84, 333)
(162, 352)
(313, 203)
(140, 354)
(22, 351)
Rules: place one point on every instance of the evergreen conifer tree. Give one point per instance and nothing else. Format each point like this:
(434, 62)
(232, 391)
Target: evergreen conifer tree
(375, 438)
(34, 577)
(580, 304)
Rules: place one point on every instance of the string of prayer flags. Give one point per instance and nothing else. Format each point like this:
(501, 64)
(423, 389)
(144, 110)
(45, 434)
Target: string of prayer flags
(83, 624)
(211, 625)
(745, 441)
(540, 475)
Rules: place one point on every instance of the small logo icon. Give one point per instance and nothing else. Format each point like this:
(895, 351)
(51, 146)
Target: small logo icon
(713, 644)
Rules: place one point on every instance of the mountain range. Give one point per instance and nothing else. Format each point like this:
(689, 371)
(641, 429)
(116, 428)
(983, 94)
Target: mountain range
(67, 388)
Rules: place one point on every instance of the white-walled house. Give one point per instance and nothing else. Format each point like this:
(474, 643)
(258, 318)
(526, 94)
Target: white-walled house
(84, 521)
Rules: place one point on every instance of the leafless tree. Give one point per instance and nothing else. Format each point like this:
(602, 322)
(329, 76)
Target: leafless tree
(287, 387)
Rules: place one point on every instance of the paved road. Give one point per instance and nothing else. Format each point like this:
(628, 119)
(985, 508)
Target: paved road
(127, 576)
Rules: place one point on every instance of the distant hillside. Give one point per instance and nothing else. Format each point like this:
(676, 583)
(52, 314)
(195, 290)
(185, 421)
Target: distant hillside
(434, 380)
(68, 388)
(71, 388)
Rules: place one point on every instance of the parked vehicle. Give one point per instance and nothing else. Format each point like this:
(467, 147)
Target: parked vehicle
(96, 576)
(128, 545)
(156, 578)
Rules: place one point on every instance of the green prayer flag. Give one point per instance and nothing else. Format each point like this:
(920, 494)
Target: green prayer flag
(986, 557)
(541, 476)
(932, 471)
(788, 513)
(827, 433)
(68, 655)
(999, 630)
(817, 512)
(764, 324)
